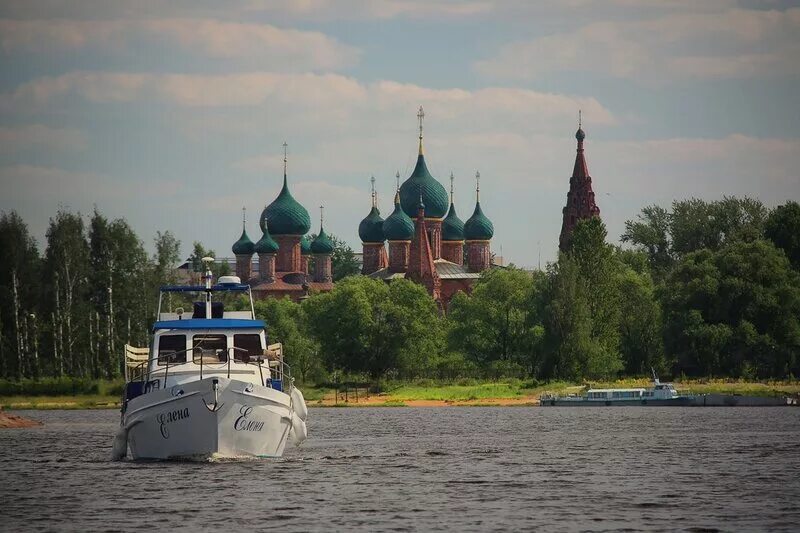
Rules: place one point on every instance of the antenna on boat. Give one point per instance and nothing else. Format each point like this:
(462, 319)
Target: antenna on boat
(208, 276)
(655, 377)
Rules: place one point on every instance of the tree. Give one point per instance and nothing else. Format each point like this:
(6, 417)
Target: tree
(783, 229)
(20, 293)
(598, 271)
(641, 324)
(493, 322)
(735, 311)
(196, 259)
(65, 279)
(365, 325)
(567, 324)
(692, 225)
(651, 234)
(287, 323)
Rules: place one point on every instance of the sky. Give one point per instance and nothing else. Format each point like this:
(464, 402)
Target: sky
(172, 115)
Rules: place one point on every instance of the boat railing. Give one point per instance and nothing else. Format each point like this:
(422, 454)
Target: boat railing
(279, 370)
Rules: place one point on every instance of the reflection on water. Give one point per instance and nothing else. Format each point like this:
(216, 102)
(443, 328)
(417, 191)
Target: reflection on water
(382, 469)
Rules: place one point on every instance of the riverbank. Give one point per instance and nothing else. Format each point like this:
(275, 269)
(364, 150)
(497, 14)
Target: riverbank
(500, 393)
(9, 421)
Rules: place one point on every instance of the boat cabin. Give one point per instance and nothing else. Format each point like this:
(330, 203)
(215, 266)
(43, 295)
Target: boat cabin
(659, 391)
(210, 342)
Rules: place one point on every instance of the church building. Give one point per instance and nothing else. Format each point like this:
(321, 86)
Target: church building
(427, 242)
(580, 198)
(284, 251)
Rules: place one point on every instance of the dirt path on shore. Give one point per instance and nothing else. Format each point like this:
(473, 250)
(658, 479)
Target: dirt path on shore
(8, 421)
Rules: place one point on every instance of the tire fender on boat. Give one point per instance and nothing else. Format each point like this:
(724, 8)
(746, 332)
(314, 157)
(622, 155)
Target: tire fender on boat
(119, 449)
(298, 432)
(299, 404)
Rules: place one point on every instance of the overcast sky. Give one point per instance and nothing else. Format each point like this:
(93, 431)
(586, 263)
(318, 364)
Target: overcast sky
(172, 115)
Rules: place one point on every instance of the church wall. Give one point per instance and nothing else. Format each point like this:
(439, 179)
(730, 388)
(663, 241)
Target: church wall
(288, 259)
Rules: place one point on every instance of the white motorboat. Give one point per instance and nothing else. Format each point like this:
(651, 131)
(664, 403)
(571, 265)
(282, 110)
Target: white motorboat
(209, 386)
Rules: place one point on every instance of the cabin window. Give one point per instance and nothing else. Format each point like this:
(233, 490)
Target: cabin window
(210, 348)
(250, 342)
(171, 349)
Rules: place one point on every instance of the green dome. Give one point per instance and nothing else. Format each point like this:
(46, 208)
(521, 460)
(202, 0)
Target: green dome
(266, 244)
(398, 226)
(322, 244)
(285, 215)
(371, 228)
(452, 226)
(305, 246)
(244, 246)
(478, 227)
(433, 194)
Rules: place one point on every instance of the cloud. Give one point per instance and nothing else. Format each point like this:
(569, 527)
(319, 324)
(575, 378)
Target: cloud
(283, 49)
(735, 43)
(371, 9)
(13, 139)
(329, 101)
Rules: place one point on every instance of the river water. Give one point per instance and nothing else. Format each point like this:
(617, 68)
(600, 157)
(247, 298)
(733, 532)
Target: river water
(401, 469)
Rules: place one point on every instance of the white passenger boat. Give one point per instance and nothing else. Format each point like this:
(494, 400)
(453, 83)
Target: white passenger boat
(209, 386)
(658, 394)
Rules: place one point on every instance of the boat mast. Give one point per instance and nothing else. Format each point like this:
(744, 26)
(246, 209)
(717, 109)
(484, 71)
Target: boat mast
(207, 277)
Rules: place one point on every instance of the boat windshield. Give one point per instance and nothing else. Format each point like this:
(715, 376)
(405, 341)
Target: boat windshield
(209, 348)
(247, 345)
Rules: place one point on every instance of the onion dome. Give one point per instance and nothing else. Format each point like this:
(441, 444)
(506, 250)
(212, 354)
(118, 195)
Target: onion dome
(421, 182)
(398, 226)
(580, 135)
(266, 244)
(452, 226)
(478, 227)
(434, 194)
(322, 244)
(371, 228)
(305, 246)
(285, 215)
(244, 246)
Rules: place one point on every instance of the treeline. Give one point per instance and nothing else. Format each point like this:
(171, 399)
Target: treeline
(70, 310)
(702, 289)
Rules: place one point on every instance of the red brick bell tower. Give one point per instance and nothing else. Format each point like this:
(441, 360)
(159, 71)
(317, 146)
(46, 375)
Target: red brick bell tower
(421, 268)
(580, 198)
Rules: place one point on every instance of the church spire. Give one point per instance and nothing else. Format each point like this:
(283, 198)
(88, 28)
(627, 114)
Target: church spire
(581, 169)
(452, 179)
(285, 146)
(421, 117)
(374, 196)
(581, 203)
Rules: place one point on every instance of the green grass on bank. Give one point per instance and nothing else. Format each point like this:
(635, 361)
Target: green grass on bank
(103, 394)
(79, 401)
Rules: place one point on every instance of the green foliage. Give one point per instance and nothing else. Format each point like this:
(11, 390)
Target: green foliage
(641, 324)
(365, 325)
(65, 386)
(783, 229)
(494, 323)
(287, 323)
(734, 311)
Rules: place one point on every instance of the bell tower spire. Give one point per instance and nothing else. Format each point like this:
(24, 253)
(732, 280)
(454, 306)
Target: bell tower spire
(580, 198)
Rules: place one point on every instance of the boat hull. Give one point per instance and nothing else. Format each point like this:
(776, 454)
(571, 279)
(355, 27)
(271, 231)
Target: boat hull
(209, 418)
(650, 402)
